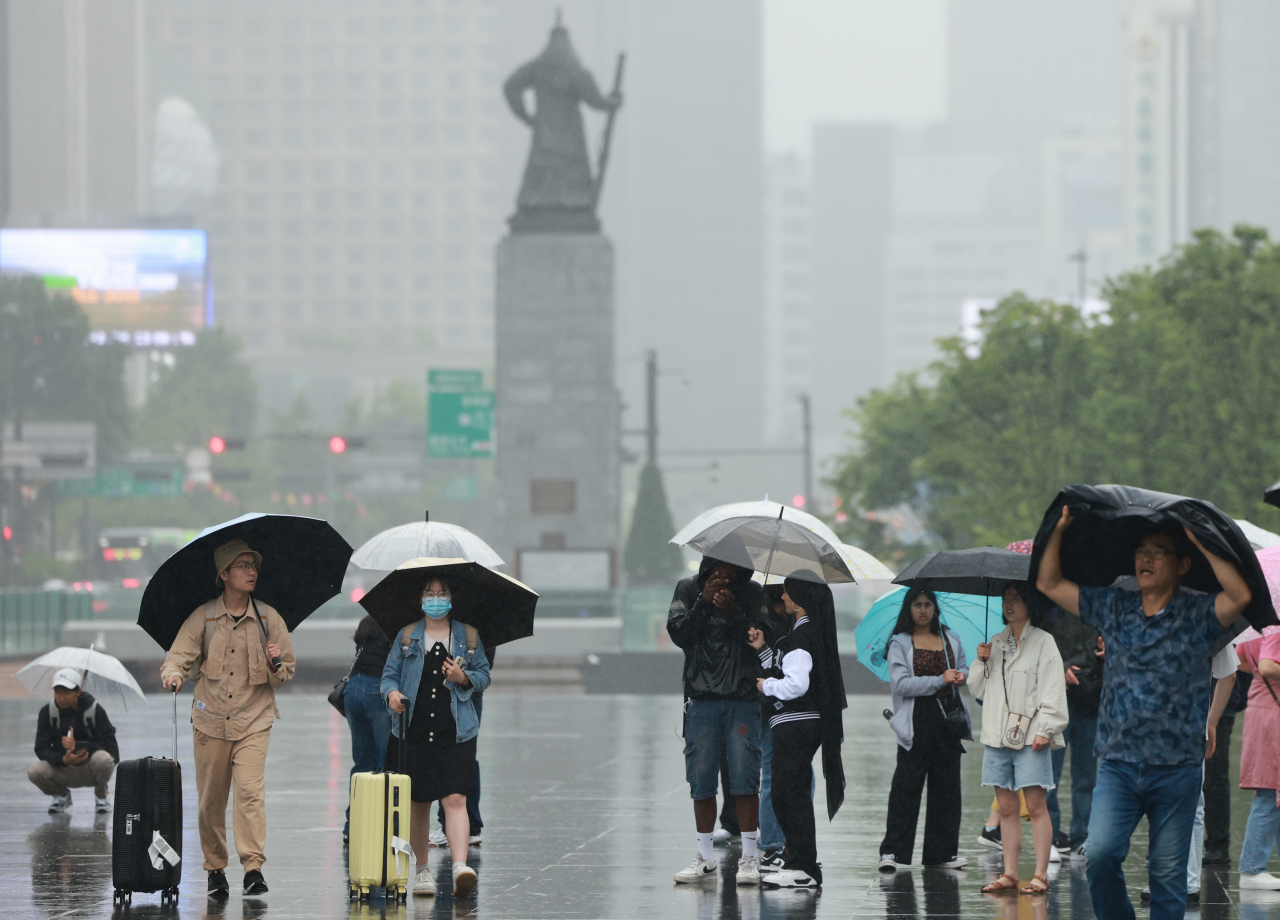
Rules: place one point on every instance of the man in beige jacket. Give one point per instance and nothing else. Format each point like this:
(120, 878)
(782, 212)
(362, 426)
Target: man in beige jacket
(230, 643)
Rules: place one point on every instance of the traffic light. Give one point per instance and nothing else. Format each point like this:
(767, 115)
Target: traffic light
(219, 444)
(339, 444)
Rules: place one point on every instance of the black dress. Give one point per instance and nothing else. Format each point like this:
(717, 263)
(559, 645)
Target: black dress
(434, 760)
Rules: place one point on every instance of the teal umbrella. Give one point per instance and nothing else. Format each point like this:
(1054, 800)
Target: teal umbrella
(961, 613)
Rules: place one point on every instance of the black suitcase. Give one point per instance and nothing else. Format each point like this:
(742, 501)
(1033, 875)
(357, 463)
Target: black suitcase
(146, 844)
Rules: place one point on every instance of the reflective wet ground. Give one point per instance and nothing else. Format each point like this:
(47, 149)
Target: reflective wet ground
(587, 815)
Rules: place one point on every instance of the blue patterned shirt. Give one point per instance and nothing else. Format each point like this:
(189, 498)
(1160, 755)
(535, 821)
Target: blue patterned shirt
(1155, 683)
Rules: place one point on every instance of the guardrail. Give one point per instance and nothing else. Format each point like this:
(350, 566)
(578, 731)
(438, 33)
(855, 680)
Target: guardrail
(31, 619)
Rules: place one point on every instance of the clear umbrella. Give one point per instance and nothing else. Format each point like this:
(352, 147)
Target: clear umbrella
(762, 537)
(103, 676)
(862, 565)
(428, 538)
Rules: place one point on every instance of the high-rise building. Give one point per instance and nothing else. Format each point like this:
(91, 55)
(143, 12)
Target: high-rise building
(788, 333)
(352, 229)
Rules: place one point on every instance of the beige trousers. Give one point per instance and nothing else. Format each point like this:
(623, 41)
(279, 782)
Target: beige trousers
(93, 772)
(219, 764)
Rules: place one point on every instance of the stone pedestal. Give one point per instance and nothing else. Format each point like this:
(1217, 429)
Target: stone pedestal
(556, 417)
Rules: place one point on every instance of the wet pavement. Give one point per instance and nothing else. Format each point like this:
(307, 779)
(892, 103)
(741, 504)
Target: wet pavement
(587, 815)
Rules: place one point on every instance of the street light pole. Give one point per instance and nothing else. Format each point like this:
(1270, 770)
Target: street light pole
(651, 404)
(808, 453)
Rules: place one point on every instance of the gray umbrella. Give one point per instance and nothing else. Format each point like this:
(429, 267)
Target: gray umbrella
(427, 538)
(772, 544)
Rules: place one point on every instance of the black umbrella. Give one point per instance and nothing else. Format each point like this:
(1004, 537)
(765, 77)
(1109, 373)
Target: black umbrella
(303, 561)
(981, 570)
(498, 606)
(1272, 495)
(1109, 523)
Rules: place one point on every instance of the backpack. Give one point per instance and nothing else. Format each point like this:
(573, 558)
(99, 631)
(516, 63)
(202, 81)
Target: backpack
(90, 717)
(210, 624)
(473, 637)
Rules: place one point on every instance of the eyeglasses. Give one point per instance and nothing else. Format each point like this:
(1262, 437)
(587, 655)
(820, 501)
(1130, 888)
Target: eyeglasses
(1154, 553)
(247, 566)
(427, 594)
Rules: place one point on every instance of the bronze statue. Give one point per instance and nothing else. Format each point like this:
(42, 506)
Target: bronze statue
(558, 193)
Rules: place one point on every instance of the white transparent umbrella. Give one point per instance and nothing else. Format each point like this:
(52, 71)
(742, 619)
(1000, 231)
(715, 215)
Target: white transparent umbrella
(862, 565)
(435, 539)
(102, 675)
(1259, 538)
(762, 509)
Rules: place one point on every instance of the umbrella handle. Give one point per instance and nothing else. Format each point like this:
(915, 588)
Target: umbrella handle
(776, 532)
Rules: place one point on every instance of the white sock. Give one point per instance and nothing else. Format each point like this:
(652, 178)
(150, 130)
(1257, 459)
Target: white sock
(749, 847)
(706, 847)
(422, 867)
(457, 864)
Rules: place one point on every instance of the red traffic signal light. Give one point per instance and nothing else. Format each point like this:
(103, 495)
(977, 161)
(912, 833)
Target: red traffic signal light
(217, 445)
(337, 444)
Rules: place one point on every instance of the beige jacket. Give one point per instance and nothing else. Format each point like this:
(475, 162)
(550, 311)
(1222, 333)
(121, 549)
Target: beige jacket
(1032, 677)
(235, 696)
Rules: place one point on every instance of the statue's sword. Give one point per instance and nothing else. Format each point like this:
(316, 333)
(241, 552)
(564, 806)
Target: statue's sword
(608, 131)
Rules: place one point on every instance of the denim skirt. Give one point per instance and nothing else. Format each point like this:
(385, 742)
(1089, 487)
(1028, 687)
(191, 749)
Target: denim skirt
(1010, 769)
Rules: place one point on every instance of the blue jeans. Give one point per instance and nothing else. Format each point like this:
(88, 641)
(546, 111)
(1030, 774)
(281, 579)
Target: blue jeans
(473, 797)
(1167, 796)
(1081, 733)
(771, 837)
(370, 727)
(712, 726)
(1261, 833)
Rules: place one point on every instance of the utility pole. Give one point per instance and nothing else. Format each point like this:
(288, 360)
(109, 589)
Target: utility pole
(1081, 258)
(808, 453)
(651, 404)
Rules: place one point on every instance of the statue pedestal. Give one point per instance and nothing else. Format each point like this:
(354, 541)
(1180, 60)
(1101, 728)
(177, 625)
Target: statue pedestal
(557, 413)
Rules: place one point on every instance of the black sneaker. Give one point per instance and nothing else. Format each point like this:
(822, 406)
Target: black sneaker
(254, 883)
(1216, 857)
(771, 861)
(990, 838)
(218, 887)
(1062, 842)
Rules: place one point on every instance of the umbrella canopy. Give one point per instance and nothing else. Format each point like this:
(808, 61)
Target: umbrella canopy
(303, 561)
(772, 545)
(763, 509)
(425, 538)
(961, 613)
(862, 565)
(1111, 520)
(1258, 538)
(103, 676)
(498, 606)
(979, 570)
(1272, 495)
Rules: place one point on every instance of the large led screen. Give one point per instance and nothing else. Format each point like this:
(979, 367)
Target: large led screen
(141, 287)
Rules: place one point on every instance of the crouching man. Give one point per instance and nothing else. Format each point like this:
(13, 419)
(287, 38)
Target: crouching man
(76, 744)
(241, 652)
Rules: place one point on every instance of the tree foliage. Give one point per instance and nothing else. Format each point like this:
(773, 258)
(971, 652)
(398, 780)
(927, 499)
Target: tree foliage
(1175, 391)
(650, 558)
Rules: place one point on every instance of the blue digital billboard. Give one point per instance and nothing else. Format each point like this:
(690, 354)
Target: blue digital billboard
(142, 287)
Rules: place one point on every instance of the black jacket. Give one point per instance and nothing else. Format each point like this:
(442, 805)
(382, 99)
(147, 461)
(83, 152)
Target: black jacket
(1077, 644)
(719, 664)
(49, 736)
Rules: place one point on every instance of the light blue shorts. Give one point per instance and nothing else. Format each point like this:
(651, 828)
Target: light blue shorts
(1017, 769)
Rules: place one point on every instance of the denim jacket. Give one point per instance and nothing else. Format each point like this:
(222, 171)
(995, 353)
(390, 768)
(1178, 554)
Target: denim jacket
(403, 672)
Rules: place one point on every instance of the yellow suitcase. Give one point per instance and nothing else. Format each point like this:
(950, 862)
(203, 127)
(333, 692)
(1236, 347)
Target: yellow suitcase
(379, 852)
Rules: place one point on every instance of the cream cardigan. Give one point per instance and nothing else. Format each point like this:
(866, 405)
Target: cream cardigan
(1032, 677)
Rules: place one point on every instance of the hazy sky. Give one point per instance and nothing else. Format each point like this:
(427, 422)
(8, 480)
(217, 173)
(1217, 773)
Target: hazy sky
(843, 60)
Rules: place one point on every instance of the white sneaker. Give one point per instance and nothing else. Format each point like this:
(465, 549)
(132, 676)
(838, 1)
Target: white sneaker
(789, 878)
(59, 804)
(437, 839)
(1262, 881)
(464, 880)
(722, 838)
(1078, 852)
(696, 871)
(474, 840)
(102, 806)
(955, 862)
(424, 884)
(749, 870)
(887, 863)
(1054, 855)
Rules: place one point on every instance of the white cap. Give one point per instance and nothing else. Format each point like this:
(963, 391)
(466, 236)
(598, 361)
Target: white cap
(67, 677)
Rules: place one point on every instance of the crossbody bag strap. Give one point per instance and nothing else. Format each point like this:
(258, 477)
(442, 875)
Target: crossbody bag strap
(1269, 689)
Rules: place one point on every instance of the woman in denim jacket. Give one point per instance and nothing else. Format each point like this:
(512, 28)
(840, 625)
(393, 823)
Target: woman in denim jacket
(430, 664)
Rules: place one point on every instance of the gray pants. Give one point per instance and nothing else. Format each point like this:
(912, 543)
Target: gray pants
(93, 772)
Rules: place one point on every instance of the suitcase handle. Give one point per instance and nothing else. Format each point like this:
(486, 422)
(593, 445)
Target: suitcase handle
(400, 746)
(175, 726)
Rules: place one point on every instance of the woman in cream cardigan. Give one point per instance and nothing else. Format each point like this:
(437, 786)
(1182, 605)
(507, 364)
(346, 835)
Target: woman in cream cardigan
(1019, 678)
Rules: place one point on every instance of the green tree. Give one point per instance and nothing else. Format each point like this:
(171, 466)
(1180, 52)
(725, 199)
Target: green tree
(649, 557)
(1173, 391)
(208, 390)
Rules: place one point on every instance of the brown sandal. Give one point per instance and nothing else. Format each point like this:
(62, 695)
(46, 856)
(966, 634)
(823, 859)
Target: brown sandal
(1032, 888)
(999, 885)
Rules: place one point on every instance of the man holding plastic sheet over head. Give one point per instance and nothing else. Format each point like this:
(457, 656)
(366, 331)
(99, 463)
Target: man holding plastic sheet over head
(1160, 644)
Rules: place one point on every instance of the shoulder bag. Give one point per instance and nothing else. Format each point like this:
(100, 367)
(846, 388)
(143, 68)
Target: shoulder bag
(953, 718)
(337, 696)
(1015, 723)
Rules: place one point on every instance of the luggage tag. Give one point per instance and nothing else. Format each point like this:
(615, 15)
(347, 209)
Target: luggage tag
(161, 852)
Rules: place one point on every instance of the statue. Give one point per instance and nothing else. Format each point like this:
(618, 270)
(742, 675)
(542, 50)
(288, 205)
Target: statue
(558, 193)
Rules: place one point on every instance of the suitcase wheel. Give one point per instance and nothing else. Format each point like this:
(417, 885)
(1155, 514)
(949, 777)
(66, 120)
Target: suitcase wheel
(169, 896)
(122, 898)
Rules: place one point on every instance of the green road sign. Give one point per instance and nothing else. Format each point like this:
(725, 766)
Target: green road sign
(460, 424)
(454, 380)
(122, 482)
